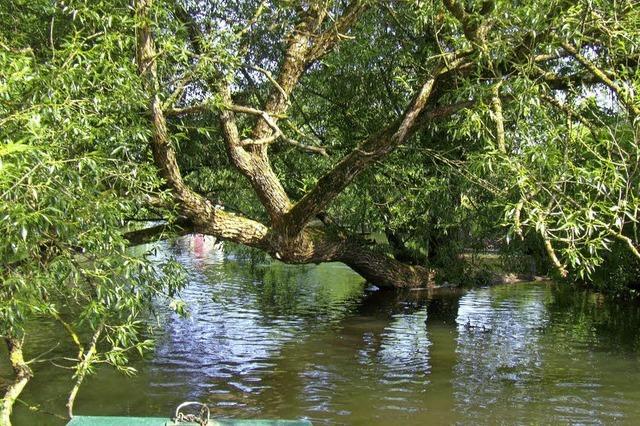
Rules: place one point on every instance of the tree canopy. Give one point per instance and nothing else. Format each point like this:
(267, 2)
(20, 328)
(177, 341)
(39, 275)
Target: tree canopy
(299, 129)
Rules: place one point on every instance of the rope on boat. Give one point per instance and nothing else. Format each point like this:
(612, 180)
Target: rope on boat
(202, 418)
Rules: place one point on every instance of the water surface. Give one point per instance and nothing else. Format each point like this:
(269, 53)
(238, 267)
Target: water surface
(269, 340)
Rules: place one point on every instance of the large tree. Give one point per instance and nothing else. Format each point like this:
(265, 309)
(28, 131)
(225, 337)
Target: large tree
(479, 77)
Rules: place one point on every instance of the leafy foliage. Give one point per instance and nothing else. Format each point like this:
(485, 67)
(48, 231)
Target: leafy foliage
(73, 169)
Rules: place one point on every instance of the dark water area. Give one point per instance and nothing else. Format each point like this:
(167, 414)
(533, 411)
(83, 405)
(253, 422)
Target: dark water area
(267, 340)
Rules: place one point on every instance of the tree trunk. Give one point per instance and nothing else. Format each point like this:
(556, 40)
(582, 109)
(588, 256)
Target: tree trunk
(385, 271)
(316, 245)
(22, 375)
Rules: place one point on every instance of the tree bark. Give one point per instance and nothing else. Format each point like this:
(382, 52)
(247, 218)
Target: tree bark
(385, 271)
(22, 375)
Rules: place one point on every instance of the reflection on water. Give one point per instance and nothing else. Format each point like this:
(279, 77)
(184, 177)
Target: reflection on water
(274, 341)
(498, 347)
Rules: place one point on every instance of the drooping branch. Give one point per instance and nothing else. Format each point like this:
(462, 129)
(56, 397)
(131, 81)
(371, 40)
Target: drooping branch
(82, 368)
(146, 235)
(631, 246)
(562, 270)
(272, 80)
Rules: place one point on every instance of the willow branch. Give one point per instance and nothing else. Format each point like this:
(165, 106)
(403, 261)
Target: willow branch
(143, 236)
(498, 117)
(326, 41)
(163, 153)
(277, 132)
(271, 79)
(278, 135)
(256, 17)
(573, 114)
(475, 29)
(625, 98)
(83, 368)
(70, 331)
(628, 241)
(554, 258)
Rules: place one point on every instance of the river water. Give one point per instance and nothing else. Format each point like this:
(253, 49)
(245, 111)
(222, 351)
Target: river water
(267, 340)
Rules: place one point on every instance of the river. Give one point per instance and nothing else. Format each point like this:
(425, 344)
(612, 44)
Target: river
(267, 340)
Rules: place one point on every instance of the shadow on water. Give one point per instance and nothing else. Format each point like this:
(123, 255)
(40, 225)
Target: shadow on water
(269, 340)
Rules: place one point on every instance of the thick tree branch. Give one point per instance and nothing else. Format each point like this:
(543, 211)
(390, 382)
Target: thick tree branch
(304, 47)
(372, 149)
(253, 164)
(250, 156)
(327, 40)
(475, 28)
(22, 375)
(205, 217)
(163, 153)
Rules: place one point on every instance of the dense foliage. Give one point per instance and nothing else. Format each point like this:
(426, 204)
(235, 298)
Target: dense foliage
(526, 144)
(72, 170)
